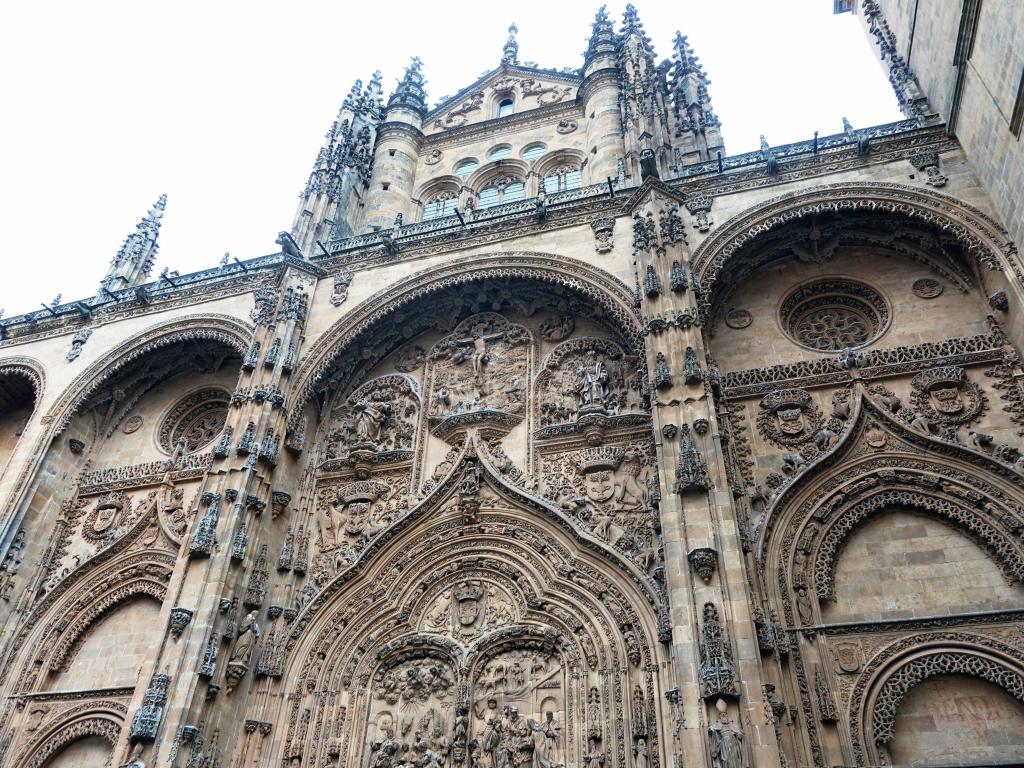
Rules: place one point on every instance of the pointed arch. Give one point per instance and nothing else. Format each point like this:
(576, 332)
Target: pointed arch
(609, 295)
(810, 520)
(103, 718)
(890, 674)
(525, 580)
(979, 235)
(115, 576)
(28, 368)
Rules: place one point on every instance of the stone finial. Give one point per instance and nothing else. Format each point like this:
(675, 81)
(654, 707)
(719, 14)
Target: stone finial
(410, 92)
(602, 35)
(134, 261)
(510, 51)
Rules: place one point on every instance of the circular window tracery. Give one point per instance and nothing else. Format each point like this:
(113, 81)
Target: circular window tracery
(831, 315)
(199, 418)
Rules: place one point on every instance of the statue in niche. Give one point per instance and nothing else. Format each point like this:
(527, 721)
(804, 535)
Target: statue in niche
(640, 754)
(248, 634)
(592, 388)
(551, 752)
(371, 415)
(481, 365)
(380, 416)
(587, 375)
(726, 740)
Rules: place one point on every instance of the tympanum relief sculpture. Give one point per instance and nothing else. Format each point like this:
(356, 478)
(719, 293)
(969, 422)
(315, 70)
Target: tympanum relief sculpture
(585, 377)
(378, 419)
(479, 374)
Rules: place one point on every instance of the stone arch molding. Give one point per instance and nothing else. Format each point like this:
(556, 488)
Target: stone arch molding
(610, 295)
(980, 235)
(29, 368)
(889, 676)
(103, 718)
(880, 463)
(490, 595)
(222, 328)
(56, 624)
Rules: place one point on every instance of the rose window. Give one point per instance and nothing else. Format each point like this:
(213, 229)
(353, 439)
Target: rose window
(199, 418)
(831, 315)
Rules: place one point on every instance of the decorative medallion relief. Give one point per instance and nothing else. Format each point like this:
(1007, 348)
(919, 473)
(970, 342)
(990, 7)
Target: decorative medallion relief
(738, 318)
(946, 397)
(831, 315)
(927, 288)
(198, 418)
(788, 417)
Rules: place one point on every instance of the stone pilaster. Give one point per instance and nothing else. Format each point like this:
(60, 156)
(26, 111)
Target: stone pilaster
(206, 665)
(714, 644)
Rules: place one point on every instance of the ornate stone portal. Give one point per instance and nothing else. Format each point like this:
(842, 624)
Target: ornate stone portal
(725, 490)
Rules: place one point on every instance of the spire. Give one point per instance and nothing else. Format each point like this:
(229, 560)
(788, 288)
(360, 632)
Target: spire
(510, 52)
(697, 133)
(133, 263)
(344, 160)
(602, 35)
(631, 24)
(410, 93)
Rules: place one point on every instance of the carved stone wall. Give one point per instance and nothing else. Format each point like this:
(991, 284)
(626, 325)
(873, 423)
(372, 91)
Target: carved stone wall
(695, 464)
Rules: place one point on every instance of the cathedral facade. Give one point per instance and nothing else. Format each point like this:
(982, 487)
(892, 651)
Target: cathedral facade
(554, 436)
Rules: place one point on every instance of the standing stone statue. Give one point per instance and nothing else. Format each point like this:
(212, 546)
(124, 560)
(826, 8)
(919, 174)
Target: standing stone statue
(726, 740)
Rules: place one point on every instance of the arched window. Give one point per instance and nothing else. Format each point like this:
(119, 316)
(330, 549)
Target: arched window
(561, 179)
(440, 205)
(506, 107)
(466, 167)
(499, 152)
(533, 151)
(506, 190)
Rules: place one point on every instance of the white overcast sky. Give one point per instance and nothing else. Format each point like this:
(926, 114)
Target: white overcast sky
(223, 105)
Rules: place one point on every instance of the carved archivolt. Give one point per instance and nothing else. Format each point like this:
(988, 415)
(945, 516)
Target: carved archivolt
(978, 234)
(989, 535)
(95, 718)
(82, 599)
(496, 612)
(890, 674)
(600, 288)
(26, 368)
(217, 328)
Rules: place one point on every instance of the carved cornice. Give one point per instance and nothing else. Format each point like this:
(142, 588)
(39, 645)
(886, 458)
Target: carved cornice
(1011, 616)
(875, 364)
